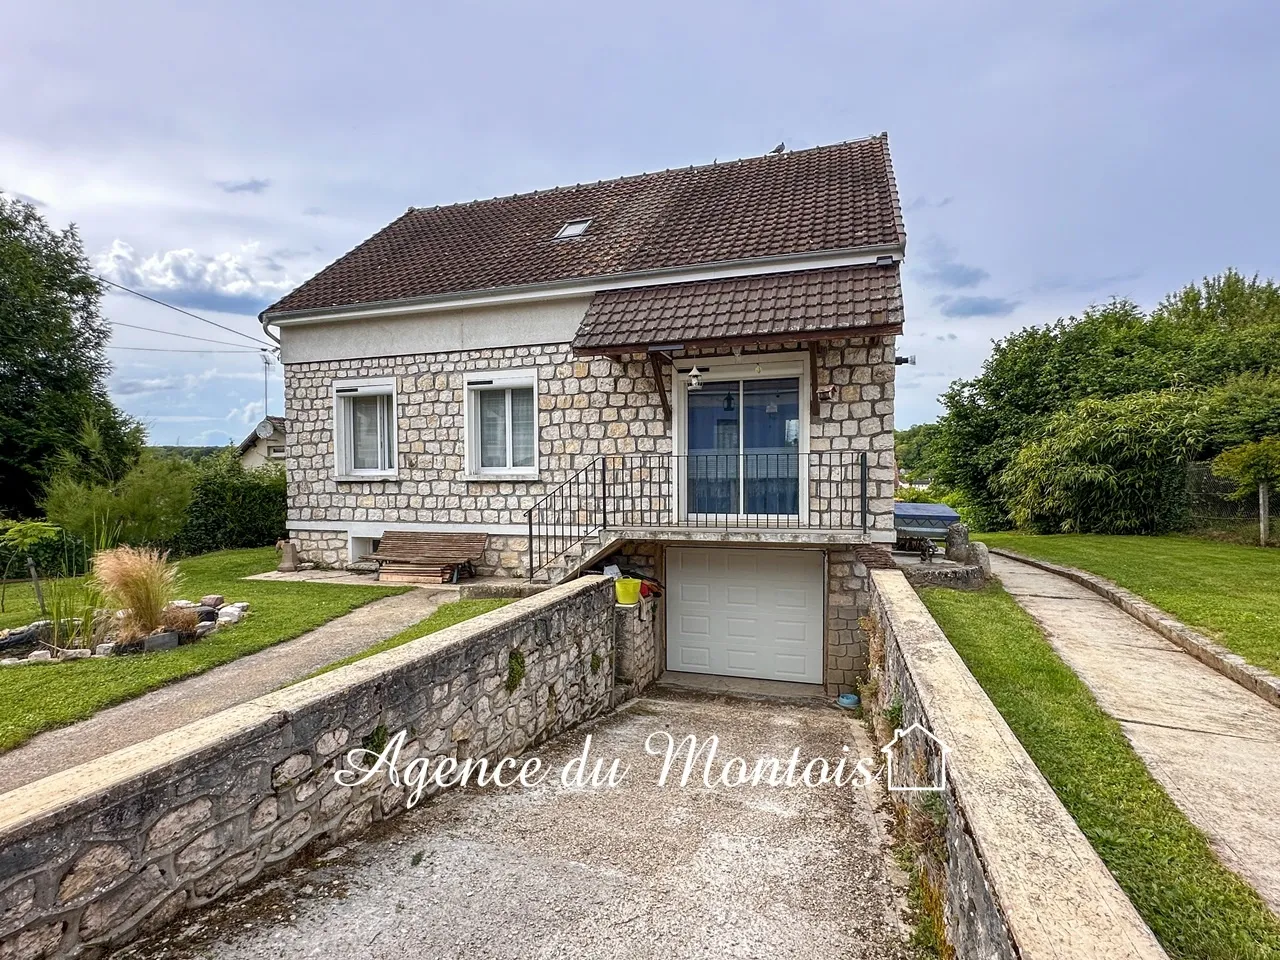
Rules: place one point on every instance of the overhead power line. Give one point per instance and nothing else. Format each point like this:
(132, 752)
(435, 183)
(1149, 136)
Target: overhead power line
(167, 350)
(171, 333)
(187, 313)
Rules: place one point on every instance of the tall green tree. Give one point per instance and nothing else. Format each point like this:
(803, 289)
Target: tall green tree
(1220, 338)
(915, 450)
(53, 364)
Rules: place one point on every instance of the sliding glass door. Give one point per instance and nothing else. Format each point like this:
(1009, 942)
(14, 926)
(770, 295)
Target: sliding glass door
(743, 449)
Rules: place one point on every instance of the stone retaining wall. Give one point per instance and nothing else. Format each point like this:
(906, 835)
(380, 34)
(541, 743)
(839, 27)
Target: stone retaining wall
(638, 640)
(1004, 864)
(95, 855)
(961, 577)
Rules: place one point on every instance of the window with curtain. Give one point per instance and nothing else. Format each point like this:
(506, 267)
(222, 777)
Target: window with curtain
(366, 425)
(503, 428)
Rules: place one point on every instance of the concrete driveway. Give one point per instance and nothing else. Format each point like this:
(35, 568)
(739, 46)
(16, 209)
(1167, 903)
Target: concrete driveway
(632, 871)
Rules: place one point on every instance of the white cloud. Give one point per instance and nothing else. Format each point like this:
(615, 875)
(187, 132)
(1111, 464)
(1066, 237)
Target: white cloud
(250, 413)
(229, 282)
(123, 386)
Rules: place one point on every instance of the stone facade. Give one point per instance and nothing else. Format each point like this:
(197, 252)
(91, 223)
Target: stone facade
(586, 407)
(848, 602)
(94, 856)
(325, 548)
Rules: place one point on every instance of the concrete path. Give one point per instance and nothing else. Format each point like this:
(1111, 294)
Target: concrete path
(1213, 745)
(179, 703)
(636, 871)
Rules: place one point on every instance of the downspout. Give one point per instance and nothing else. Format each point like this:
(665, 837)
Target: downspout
(262, 320)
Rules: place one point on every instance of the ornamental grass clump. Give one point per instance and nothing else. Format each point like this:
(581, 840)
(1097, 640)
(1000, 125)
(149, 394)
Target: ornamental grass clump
(139, 581)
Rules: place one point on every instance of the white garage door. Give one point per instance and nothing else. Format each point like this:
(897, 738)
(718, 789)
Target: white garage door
(745, 613)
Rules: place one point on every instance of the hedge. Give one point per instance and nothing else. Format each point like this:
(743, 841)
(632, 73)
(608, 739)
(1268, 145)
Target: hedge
(232, 507)
(67, 555)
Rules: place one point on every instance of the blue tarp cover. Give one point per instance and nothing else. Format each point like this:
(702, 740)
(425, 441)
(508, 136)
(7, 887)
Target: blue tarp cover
(924, 511)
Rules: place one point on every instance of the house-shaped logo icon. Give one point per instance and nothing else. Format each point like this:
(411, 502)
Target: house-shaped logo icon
(897, 776)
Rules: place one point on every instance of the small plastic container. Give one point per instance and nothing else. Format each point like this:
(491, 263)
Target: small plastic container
(627, 590)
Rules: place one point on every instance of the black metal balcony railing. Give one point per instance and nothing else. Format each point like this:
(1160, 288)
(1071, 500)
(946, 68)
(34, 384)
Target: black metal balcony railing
(819, 490)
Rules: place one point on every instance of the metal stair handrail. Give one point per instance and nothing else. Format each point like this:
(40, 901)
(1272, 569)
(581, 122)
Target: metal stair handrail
(567, 515)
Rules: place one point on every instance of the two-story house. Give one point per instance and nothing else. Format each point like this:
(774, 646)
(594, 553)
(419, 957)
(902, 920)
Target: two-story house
(691, 369)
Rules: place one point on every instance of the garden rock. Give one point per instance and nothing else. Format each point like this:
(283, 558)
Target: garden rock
(980, 557)
(11, 662)
(205, 627)
(241, 605)
(184, 604)
(76, 653)
(206, 611)
(230, 615)
(160, 641)
(40, 655)
(104, 649)
(214, 600)
(958, 542)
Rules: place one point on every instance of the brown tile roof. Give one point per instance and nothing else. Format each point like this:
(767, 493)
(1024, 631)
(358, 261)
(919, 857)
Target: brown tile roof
(828, 198)
(776, 306)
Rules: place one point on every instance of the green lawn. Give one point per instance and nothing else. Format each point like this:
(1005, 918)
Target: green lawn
(1229, 591)
(1197, 908)
(20, 606)
(36, 698)
(445, 616)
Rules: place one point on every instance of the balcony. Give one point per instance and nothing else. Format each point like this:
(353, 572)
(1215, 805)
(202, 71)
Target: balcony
(772, 496)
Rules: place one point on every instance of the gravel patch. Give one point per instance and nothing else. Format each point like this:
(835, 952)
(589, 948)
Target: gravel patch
(635, 871)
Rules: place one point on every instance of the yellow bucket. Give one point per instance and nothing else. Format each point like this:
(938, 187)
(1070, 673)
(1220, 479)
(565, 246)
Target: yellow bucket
(628, 590)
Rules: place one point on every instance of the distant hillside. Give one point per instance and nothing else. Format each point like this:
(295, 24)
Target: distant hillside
(194, 454)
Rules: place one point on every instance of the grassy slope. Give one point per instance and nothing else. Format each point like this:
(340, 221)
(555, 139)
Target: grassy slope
(445, 616)
(1198, 908)
(1230, 591)
(36, 698)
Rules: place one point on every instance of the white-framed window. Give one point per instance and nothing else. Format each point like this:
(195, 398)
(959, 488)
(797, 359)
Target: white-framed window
(364, 421)
(501, 423)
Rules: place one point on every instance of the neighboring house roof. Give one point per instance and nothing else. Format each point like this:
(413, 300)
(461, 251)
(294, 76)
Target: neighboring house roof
(779, 306)
(838, 197)
(252, 438)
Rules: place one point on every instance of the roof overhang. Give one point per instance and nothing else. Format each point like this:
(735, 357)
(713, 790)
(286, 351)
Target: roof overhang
(802, 306)
(588, 286)
(847, 333)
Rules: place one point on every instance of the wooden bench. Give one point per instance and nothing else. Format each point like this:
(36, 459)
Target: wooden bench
(410, 556)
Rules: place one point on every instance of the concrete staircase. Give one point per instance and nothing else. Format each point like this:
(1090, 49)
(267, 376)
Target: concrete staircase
(578, 557)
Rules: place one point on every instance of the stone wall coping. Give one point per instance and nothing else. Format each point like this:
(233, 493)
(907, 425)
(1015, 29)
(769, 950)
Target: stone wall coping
(88, 786)
(1210, 653)
(1056, 896)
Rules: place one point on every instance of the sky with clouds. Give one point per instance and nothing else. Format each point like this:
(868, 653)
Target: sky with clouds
(216, 155)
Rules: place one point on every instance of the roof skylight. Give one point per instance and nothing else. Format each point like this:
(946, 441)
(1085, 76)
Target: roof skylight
(574, 228)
